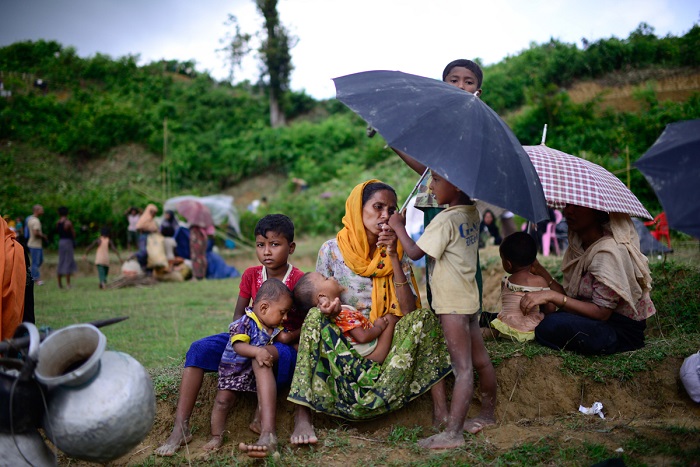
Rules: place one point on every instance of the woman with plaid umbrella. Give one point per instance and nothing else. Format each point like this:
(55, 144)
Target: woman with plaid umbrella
(604, 301)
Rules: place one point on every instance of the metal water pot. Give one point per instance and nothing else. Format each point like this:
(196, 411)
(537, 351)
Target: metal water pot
(101, 403)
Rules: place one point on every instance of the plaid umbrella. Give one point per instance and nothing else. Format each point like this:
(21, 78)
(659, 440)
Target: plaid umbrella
(568, 179)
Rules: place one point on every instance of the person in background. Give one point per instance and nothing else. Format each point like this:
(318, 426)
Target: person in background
(66, 247)
(104, 243)
(488, 230)
(132, 233)
(35, 242)
(145, 226)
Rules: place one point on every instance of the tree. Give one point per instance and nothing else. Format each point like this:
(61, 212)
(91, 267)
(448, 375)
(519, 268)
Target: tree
(274, 53)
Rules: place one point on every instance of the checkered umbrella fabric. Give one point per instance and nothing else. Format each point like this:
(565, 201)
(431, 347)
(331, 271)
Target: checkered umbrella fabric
(568, 179)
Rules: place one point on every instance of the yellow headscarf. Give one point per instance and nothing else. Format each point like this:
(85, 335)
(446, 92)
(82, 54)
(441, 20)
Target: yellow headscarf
(353, 244)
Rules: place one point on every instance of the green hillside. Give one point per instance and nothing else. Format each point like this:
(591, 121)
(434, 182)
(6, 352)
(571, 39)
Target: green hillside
(100, 134)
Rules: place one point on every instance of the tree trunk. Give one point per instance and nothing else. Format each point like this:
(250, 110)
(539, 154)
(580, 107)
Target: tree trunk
(277, 118)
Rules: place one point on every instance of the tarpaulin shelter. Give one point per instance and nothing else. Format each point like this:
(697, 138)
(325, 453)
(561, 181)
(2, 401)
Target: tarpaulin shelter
(221, 207)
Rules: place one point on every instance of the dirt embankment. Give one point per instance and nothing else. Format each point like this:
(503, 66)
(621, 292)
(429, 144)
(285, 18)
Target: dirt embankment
(535, 400)
(618, 89)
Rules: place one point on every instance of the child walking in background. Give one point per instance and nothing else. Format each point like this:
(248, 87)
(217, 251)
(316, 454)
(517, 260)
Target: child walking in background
(518, 254)
(104, 243)
(371, 341)
(247, 362)
(274, 244)
(452, 240)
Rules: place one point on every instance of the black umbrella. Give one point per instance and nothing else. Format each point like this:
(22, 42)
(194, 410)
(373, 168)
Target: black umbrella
(672, 167)
(451, 131)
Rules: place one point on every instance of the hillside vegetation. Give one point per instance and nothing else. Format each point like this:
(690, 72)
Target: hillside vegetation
(101, 134)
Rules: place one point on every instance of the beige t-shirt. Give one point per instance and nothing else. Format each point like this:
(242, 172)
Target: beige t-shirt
(452, 239)
(34, 224)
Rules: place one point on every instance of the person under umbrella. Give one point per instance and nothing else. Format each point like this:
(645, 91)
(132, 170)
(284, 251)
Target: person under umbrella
(201, 225)
(603, 302)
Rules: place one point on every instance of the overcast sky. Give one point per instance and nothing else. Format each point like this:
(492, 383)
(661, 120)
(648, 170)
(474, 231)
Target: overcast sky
(337, 37)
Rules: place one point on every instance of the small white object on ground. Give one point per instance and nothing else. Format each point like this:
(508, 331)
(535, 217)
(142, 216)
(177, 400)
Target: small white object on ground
(596, 408)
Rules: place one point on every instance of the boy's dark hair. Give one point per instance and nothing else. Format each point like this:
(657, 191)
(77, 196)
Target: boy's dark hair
(371, 188)
(519, 248)
(63, 211)
(272, 290)
(469, 65)
(304, 294)
(105, 231)
(278, 223)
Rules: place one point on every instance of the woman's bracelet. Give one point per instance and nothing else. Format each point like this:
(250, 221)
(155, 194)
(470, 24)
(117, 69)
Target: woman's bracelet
(563, 304)
(400, 284)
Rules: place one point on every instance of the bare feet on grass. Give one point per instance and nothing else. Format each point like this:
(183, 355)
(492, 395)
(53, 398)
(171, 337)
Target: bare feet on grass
(173, 443)
(303, 434)
(475, 425)
(214, 443)
(265, 446)
(444, 440)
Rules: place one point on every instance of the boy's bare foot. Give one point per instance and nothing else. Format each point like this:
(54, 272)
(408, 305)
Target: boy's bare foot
(475, 425)
(173, 443)
(265, 446)
(214, 443)
(443, 440)
(303, 434)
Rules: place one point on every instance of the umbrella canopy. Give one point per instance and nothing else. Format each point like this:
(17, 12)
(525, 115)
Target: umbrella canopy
(672, 167)
(568, 179)
(195, 212)
(451, 131)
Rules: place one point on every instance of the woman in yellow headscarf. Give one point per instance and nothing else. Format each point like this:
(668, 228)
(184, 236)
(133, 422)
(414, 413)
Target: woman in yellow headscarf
(330, 376)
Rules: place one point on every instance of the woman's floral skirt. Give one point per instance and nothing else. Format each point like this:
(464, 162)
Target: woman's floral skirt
(331, 377)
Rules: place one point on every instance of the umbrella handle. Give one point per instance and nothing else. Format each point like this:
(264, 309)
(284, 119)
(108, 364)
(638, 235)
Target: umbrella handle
(405, 203)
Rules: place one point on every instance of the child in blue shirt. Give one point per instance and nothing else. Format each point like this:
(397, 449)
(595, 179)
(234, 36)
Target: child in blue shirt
(247, 362)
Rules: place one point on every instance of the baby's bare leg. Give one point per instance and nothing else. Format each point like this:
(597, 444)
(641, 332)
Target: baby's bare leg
(384, 341)
(222, 405)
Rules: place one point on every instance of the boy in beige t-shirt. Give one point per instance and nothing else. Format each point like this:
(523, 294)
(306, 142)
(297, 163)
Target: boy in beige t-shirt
(452, 240)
